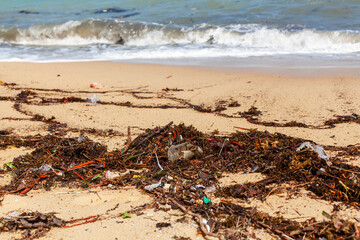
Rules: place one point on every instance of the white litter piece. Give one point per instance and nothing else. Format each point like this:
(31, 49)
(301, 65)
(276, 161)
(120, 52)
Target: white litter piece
(111, 175)
(319, 150)
(210, 189)
(206, 224)
(152, 186)
(93, 98)
(81, 138)
(45, 167)
(13, 214)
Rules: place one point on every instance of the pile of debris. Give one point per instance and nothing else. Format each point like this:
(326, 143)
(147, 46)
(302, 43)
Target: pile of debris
(181, 166)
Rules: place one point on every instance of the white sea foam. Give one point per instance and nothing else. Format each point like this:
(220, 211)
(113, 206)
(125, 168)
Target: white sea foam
(95, 40)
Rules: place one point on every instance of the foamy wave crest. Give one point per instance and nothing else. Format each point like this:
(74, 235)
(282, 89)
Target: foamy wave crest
(252, 39)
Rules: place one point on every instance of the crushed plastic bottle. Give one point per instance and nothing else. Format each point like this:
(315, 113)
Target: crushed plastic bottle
(93, 98)
(316, 148)
(184, 150)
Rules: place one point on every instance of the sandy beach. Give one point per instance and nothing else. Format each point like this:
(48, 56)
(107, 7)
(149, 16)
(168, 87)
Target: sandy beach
(322, 109)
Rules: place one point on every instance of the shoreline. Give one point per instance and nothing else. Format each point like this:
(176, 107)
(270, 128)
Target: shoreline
(50, 99)
(304, 68)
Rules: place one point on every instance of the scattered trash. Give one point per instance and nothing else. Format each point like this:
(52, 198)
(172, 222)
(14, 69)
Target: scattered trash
(45, 167)
(319, 150)
(152, 186)
(85, 163)
(9, 165)
(126, 215)
(200, 186)
(210, 189)
(207, 201)
(255, 168)
(111, 175)
(81, 138)
(167, 186)
(206, 224)
(93, 98)
(96, 85)
(157, 159)
(321, 171)
(12, 215)
(184, 150)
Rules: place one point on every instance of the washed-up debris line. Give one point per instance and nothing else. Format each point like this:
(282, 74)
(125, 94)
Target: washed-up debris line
(37, 224)
(32, 96)
(186, 182)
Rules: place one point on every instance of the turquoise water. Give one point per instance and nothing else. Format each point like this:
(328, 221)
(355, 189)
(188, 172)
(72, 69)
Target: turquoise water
(181, 31)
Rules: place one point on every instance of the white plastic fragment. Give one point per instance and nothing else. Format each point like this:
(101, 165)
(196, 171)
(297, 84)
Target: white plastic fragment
(319, 150)
(93, 98)
(254, 169)
(200, 186)
(152, 186)
(13, 215)
(111, 175)
(157, 159)
(45, 167)
(81, 138)
(210, 189)
(167, 186)
(206, 224)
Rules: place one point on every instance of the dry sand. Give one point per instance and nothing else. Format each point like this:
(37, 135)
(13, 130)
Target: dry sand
(158, 95)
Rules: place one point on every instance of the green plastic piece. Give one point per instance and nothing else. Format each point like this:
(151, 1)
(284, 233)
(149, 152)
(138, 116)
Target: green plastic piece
(95, 177)
(207, 201)
(10, 165)
(126, 215)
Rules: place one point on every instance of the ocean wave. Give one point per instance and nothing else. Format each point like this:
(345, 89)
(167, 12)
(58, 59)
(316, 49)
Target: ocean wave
(240, 37)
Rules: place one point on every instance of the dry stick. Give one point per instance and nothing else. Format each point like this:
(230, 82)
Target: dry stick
(93, 219)
(128, 141)
(222, 147)
(247, 129)
(199, 218)
(274, 230)
(154, 133)
(357, 232)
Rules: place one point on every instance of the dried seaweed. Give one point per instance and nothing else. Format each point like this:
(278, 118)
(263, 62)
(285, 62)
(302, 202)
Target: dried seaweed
(81, 162)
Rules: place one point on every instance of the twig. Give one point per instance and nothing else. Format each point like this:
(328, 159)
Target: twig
(247, 129)
(93, 219)
(357, 232)
(274, 230)
(346, 170)
(128, 141)
(199, 219)
(26, 190)
(154, 134)
(222, 147)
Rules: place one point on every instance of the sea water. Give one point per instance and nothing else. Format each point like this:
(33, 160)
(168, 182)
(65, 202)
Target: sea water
(227, 32)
